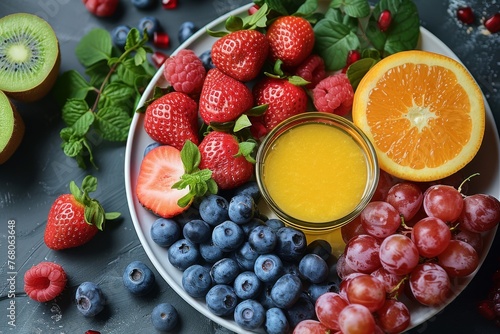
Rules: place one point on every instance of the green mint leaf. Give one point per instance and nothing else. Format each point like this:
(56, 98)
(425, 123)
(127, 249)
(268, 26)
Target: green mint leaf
(112, 215)
(72, 147)
(241, 123)
(234, 23)
(116, 94)
(140, 56)
(113, 123)
(94, 47)
(69, 85)
(371, 53)
(97, 73)
(358, 69)
(333, 42)
(353, 8)
(257, 19)
(190, 156)
(307, 8)
(73, 110)
(133, 39)
(404, 31)
(246, 149)
(128, 72)
(212, 186)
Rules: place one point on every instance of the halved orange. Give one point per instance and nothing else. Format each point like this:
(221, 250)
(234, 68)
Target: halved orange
(423, 112)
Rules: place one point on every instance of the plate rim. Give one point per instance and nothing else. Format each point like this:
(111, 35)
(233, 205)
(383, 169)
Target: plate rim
(132, 200)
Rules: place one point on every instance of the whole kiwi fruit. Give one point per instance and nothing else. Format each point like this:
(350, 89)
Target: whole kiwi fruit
(29, 57)
(11, 128)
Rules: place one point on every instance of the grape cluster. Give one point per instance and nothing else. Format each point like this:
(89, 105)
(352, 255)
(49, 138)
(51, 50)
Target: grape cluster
(490, 306)
(413, 239)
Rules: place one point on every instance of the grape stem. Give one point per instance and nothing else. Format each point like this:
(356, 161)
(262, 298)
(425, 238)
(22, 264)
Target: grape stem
(466, 180)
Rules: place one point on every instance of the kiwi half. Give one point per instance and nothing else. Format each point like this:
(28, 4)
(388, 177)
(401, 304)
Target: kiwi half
(29, 57)
(11, 128)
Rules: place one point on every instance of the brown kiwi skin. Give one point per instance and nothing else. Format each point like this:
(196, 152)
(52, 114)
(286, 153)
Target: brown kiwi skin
(40, 91)
(16, 138)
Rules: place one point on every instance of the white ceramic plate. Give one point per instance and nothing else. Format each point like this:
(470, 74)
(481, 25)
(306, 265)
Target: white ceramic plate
(488, 182)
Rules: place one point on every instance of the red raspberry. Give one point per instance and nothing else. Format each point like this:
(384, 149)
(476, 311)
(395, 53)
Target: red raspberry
(101, 8)
(312, 69)
(45, 281)
(334, 94)
(185, 72)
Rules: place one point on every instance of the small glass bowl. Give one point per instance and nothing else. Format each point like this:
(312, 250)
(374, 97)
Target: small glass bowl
(347, 127)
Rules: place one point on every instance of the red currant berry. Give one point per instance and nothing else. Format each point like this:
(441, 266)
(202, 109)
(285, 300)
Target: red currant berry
(466, 15)
(493, 23)
(161, 40)
(252, 10)
(384, 20)
(352, 57)
(169, 4)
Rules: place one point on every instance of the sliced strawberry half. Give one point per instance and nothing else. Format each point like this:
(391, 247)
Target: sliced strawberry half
(160, 169)
(45, 281)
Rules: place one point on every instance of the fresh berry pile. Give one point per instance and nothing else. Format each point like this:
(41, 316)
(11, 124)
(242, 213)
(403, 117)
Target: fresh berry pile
(490, 306)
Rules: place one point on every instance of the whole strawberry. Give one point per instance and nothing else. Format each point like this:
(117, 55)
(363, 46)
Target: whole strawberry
(101, 8)
(172, 119)
(291, 39)
(223, 98)
(230, 161)
(284, 99)
(74, 219)
(241, 54)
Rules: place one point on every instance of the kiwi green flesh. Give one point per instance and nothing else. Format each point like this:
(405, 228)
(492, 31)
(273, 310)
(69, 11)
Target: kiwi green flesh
(29, 53)
(11, 128)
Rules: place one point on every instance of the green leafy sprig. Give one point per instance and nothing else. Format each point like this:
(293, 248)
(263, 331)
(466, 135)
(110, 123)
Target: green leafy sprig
(101, 108)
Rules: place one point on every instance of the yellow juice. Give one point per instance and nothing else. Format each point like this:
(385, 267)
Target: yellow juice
(315, 173)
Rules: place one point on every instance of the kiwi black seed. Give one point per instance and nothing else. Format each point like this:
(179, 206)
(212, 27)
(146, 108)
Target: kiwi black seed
(11, 128)
(29, 57)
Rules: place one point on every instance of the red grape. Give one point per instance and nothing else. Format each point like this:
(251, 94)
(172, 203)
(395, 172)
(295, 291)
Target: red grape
(356, 319)
(443, 202)
(480, 213)
(458, 259)
(380, 219)
(430, 284)
(310, 327)
(406, 198)
(393, 283)
(398, 254)
(362, 253)
(342, 267)
(367, 291)
(431, 236)
(352, 229)
(472, 238)
(393, 316)
(345, 283)
(328, 307)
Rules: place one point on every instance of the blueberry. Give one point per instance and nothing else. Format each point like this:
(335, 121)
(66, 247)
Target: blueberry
(275, 224)
(250, 225)
(164, 317)
(245, 255)
(183, 253)
(250, 188)
(138, 278)
(247, 285)
(313, 268)
(316, 290)
(276, 322)
(291, 244)
(262, 239)
(224, 271)
(320, 247)
(151, 147)
(213, 209)
(89, 299)
(241, 208)
(197, 231)
(228, 236)
(268, 267)
(186, 216)
(265, 296)
(150, 24)
(291, 268)
(165, 232)
(210, 252)
(286, 290)
(186, 30)
(249, 314)
(206, 59)
(143, 4)
(221, 300)
(196, 280)
(303, 309)
(119, 35)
